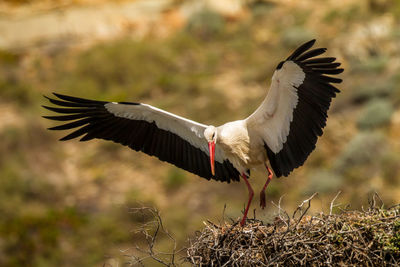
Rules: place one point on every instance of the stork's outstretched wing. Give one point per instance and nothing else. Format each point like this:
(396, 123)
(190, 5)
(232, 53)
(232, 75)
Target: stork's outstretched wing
(143, 128)
(294, 112)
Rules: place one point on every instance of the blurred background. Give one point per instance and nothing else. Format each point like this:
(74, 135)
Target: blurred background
(70, 204)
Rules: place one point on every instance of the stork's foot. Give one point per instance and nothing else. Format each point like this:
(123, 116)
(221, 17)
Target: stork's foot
(262, 193)
(262, 199)
(243, 221)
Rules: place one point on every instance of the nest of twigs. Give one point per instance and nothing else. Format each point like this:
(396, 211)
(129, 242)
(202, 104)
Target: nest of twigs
(347, 238)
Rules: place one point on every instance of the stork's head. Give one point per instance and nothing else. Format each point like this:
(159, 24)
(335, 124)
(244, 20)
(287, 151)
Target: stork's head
(210, 133)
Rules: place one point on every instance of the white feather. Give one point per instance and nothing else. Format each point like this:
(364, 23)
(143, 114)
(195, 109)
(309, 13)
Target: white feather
(273, 117)
(189, 130)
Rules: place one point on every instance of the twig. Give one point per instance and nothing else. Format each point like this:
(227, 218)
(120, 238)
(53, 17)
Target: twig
(333, 201)
(151, 239)
(308, 200)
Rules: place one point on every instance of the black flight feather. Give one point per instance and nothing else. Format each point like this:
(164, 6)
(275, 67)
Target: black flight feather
(315, 94)
(90, 119)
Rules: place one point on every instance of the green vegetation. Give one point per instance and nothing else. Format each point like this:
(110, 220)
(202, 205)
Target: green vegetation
(362, 150)
(175, 179)
(390, 169)
(324, 181)
(12, 86)
(206, 24)
(376, 113)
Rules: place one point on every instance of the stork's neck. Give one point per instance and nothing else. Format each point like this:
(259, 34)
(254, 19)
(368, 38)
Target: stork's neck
(234, 140)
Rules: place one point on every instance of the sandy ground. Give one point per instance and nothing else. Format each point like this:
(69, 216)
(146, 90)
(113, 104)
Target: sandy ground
(82, 24)
(37, 25)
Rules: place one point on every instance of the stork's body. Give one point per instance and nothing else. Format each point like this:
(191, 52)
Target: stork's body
(234, 140)
(283, 130)
(242, 146)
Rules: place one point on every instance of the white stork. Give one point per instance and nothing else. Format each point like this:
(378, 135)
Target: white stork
(283, 130)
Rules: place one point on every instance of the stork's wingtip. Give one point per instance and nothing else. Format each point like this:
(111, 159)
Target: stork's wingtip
(301, 49)
(57, 94)
(311, 42)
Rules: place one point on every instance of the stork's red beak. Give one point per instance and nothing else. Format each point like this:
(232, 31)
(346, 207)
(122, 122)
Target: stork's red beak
(211, 148)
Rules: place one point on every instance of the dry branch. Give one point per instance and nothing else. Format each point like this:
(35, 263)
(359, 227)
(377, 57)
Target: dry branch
(151, 232)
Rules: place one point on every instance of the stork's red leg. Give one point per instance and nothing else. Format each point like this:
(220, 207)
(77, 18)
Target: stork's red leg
(262, 193)
(251, 193)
